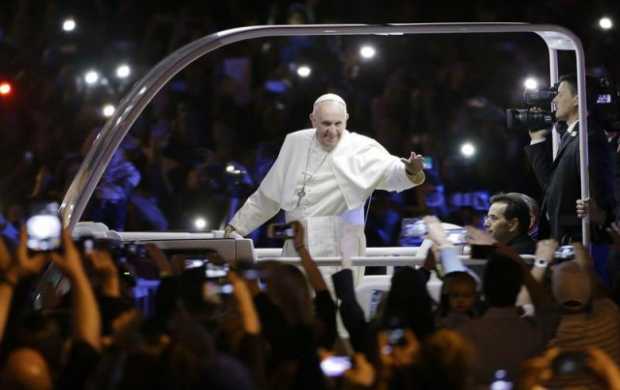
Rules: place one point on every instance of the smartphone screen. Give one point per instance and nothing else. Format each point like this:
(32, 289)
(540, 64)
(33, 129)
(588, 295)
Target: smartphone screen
(193, 263)
(44, 228)
(568, 363)
(281, 231)
(335, 365)
(216, 271)
(396, 336)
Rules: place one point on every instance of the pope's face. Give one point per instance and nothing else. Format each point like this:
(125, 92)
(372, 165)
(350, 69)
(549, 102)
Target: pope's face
(329, 118)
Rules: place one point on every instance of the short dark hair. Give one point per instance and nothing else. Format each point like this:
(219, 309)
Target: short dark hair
(592, 86)
(501, 281)
(516, 207)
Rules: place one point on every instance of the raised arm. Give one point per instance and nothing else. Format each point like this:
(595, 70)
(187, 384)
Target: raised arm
(312, 270)
(256, 210)
(12, 270)
(86, 317)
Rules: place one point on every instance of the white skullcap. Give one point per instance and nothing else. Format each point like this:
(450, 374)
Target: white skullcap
(330, 97)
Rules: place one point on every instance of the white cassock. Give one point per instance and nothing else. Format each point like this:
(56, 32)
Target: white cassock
(325, 191)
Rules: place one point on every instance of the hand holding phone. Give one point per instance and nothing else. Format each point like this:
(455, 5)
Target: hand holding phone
(44, 228)
(334, 366)
(569, 363)
(282, 231)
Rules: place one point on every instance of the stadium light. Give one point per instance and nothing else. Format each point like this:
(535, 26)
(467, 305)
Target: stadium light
(91, 77)
(367, 52)
(200, 223)
(304, 71)
(69, 25)
(123, 71)
(108, 110)
(605, 23)
(530, 83)
(5, 88)
(468, 150)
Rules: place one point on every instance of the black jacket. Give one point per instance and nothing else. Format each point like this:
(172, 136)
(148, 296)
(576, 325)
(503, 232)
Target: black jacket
(560, 181)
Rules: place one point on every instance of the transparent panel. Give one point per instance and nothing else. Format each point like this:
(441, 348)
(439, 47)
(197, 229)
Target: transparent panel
(209, 137)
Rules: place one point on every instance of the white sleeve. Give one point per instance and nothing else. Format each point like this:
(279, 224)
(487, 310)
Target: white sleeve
(395, 177)
(256, 210)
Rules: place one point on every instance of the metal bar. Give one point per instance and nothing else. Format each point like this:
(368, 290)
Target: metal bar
(583, 140)
(371, 261)
(370, 252)
(553, 78)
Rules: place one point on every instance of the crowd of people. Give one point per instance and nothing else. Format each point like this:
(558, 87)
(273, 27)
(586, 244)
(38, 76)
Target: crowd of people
(273, 325)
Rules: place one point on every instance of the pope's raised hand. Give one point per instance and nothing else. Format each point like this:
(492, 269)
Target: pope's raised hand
(414, 164)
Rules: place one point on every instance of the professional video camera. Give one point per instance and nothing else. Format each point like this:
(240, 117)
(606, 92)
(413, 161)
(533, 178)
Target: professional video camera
(533, 117)
(603, 105)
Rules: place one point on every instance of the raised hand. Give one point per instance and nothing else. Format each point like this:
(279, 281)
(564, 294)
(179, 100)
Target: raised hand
(23, 264)
(479, 237)
(414, 164)
(435, 230)
(590, 207)
(70, 261)
(545, 250)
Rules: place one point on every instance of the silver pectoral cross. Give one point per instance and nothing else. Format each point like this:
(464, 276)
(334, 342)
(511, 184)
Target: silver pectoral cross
(301, 193)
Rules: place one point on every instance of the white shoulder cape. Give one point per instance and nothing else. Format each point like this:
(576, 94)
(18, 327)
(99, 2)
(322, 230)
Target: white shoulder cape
(360, 165)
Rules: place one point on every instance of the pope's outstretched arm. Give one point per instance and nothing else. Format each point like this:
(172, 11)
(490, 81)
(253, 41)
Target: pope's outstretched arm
(257, 210)
(262, 205)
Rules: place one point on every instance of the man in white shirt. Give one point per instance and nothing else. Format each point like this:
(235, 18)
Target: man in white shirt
(322, 178)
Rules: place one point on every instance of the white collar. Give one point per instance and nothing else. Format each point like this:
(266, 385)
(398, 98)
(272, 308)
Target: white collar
(571, 128)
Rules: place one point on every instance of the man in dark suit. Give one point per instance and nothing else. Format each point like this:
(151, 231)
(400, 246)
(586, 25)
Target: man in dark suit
(560, 178)
(508, 222)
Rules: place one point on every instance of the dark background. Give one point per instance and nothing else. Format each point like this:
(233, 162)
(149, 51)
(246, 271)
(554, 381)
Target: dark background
(424, 93)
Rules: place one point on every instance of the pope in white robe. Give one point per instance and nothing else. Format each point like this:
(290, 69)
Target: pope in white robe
(322, 178)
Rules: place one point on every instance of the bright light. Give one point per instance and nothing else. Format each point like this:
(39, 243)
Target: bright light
(367, 52)
(5, 88)
(605, 23)
(123, 71)
(468, 149)
(108, 110)
(91, 77)
(230, 168)
(304, 71)
(530, 83)
(69, 25)
(200, 223)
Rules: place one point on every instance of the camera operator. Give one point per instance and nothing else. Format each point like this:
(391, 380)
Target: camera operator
(560, 177)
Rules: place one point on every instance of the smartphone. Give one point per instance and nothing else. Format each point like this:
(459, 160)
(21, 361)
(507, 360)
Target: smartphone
(213, 271)
(413, 227)
(568, 363)
(457, 236)
(564, 253)
(44, 228)
(213, 291)
(335, 366)
(248, 270)
(193, 263)
(396, 336)
(87, 245)
(280, 231)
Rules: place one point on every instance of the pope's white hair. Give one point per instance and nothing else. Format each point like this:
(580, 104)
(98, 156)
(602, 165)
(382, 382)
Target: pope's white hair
(329, 97)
